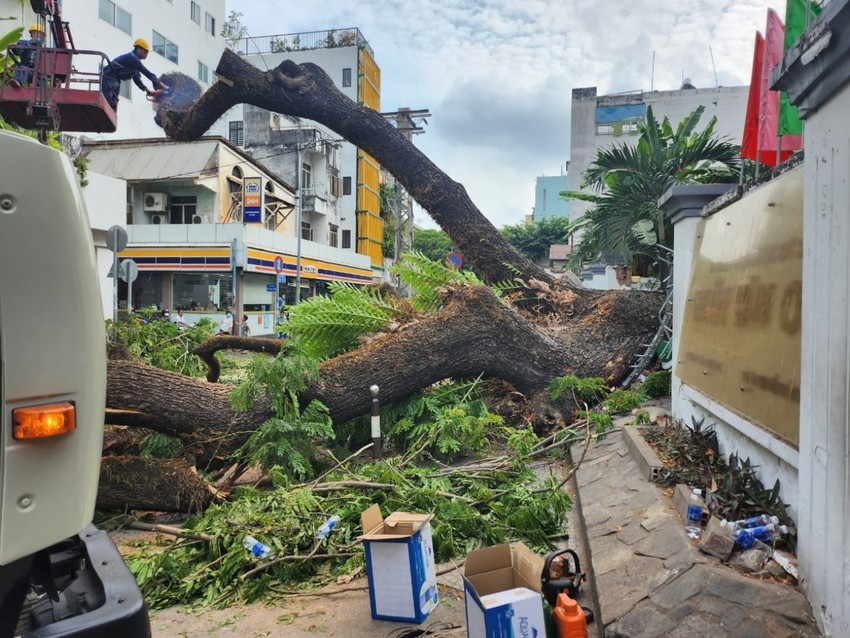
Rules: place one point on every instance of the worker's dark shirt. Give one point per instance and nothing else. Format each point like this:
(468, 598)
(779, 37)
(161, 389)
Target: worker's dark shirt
(129, 67)
(26, 50)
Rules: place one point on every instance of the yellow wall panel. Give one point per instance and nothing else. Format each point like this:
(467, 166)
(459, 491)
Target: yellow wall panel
(740, 341)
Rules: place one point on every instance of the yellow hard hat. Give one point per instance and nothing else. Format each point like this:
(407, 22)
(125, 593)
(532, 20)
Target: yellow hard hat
(35, 27)
(142, 43)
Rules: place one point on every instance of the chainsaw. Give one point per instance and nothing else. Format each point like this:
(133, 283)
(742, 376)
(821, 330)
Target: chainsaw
(159, 95)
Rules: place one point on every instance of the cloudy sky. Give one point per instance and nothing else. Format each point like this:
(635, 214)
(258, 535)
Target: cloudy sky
(497, 75)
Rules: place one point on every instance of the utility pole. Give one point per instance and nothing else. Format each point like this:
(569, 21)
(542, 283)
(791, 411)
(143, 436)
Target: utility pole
(408, 122)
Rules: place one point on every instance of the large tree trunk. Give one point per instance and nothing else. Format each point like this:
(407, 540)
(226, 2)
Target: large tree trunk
(304, 90)
(558, 329)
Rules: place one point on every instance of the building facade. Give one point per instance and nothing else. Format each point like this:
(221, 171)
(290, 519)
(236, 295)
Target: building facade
(351, 194)
(210, 230)
(599, 121)
(547, 200)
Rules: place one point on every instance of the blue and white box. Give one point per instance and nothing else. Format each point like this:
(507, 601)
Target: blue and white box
(400, 565)
(502, 592)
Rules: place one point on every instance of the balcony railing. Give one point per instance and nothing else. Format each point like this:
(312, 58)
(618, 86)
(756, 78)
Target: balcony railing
(284, 43)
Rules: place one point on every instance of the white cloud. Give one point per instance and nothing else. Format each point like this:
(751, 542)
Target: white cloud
(497, 75)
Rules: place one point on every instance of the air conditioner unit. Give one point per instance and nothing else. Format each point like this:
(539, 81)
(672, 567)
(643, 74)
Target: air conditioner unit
(155, 202)
(201, 219)
(159, 219)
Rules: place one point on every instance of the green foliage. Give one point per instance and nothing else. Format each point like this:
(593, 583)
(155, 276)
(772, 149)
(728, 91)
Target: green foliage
(325, 326)
(656, 384)
(425, 278)
(471, 508)
(161, 344)
(629, 180)
(619, 401)
(641, 417)
(590, 390)
(733, 489)
(448, 420)
(533, 240)
(160, 446)
(288, 440)
(232, 30)
(431, 243)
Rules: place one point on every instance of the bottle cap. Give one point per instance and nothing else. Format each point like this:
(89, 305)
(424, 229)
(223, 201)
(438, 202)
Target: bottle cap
(697, 491)
(774, 520)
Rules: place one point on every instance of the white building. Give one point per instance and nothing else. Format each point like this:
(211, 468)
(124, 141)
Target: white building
(599, 121)
(344, 189)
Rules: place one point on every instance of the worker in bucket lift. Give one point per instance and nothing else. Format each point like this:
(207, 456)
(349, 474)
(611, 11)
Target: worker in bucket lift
(129, 67)
(27, 50)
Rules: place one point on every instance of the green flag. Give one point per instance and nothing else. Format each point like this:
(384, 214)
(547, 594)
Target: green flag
(795, 24)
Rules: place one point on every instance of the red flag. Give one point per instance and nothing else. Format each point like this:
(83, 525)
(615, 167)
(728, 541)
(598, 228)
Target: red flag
(749, 141)
(769, 109)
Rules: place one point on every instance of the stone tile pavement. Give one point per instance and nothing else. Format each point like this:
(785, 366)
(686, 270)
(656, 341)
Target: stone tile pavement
(647, 579)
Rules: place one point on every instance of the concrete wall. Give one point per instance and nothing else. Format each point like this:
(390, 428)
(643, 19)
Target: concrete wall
(815, 74)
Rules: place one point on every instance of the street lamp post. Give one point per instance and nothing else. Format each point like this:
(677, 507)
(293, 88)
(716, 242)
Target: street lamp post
(298, 197)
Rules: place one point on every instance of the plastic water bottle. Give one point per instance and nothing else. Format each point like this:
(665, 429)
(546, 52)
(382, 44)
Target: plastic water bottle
(327, 526)
(753, 521)
(693, 522)
(746, 538)
(256, 547)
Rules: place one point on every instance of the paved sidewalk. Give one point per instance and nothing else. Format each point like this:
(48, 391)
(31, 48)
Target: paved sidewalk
(649, 579)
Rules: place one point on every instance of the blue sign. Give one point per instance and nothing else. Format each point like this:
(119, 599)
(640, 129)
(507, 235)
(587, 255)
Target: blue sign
(454, 260)
(271, 287)
(252, 199)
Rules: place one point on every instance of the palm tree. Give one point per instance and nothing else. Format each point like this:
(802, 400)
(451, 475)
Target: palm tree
(629, 180)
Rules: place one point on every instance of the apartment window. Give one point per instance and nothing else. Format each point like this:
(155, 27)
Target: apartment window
(333, 231)
(346, 186)
(306, 231)
(165, 47)
(195, 10)
(203, 72)
(235, 132)
(335, 185)
(346, 76)
(209, 24)
(182, 209)
(346, 239)
(116, 16)
(306, 176)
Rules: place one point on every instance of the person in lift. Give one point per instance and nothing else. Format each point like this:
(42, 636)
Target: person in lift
(128, 67)
(27, 50)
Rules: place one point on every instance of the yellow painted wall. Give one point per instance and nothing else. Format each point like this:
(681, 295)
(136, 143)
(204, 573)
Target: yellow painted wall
(370, 226)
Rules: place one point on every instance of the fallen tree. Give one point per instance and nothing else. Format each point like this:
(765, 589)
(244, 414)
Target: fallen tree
(551, 329)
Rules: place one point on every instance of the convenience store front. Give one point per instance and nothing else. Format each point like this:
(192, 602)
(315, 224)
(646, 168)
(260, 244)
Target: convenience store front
(206, 281)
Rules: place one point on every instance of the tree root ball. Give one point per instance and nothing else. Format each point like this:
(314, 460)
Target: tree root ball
(185, 92)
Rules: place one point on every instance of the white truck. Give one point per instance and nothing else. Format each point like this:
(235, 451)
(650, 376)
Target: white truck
(59, 574)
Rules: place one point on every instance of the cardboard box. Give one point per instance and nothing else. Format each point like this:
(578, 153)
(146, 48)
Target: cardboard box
(400, 565)
(502, 592)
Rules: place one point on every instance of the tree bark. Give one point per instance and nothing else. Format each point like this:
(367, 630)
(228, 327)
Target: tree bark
(473, 334)
(305, 90)
(551, 329)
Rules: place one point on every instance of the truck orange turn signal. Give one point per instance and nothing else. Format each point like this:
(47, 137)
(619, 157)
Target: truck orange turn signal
(40, 421)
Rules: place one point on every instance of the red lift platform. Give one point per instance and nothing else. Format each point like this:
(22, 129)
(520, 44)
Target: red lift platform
(60, 97)
(64, 93)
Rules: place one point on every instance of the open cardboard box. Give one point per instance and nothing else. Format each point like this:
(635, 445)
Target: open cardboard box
(502, 592)
(400, 565)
